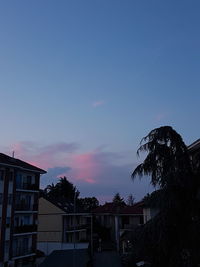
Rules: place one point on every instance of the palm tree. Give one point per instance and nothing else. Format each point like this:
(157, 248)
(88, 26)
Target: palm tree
(62, 190)
(169, 165)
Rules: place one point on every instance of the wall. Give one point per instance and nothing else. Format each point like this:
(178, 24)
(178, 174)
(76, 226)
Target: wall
(146, 214)
(50, 222)
(48, 247)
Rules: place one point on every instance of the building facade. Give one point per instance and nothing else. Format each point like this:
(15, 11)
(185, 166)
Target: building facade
(119, 219)
(59, 227)
(19, 192)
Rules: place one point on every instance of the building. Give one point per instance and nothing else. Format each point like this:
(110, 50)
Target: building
(194, 150)
(119, 219)
(19, 190)
(60, 227)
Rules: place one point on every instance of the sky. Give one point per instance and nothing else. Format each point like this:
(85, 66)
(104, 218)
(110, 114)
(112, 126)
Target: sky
(82, 81)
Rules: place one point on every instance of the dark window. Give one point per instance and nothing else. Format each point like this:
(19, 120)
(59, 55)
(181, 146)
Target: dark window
(141, 220)
(10, 197)
(16, 221)
(1, 198)
(27, 182)
(10, 176)
(1, 175)
(125, 220)
(8, 222)
(6, 247)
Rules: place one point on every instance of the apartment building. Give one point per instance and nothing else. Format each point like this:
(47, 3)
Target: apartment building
(119, 219)
(60, 226)
(19, 192)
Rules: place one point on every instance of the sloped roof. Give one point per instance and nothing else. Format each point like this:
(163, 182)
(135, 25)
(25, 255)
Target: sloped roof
(112, 208)
(7, 160)
(64, 205)
(108, 207)
(194, 146)
(137, 208)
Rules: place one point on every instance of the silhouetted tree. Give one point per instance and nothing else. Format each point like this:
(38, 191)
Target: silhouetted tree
(130, 200)
(62, 190)
(118, 200)
(169, 166)
(88, 203)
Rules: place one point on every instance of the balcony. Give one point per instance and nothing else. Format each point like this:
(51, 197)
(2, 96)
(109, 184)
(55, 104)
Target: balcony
(25, 229)
(129, 226)
(22, 206)
(26, 186)
(77, 227)
(19, 252)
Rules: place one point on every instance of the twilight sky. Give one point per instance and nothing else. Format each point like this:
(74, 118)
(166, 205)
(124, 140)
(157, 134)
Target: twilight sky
(82, 81)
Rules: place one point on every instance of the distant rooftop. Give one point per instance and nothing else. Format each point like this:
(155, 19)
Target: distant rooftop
(65, 205)
(194, 146)
(7, 160)
(113, 208)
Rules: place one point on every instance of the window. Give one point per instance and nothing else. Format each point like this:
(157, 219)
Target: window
(28, 199)
(1, 175)
(6, 247)
(16, 223)
(18, 180)
(11, 176)
(27, 179)
(26, 220)
(1, 198)
(25, 244)
(10, 198)
(8, 222)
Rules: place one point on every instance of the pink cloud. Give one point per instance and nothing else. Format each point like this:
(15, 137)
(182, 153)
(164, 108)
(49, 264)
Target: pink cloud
(43, 156)
(98, 103)
(161, 116)
(82, 166)
(95, 173)
(85, 167)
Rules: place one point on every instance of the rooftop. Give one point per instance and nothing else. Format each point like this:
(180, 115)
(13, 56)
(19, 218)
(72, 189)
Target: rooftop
(7, 160)
(64, 205)
(194, 146)
(112, 208)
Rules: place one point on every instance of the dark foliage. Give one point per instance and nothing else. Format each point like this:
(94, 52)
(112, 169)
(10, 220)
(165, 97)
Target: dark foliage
(88, 203)
(118, 200)
(169, 239)
(63, 190)
(130, 200)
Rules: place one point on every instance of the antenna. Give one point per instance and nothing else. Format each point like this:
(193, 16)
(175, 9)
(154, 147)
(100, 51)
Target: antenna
(13, 154)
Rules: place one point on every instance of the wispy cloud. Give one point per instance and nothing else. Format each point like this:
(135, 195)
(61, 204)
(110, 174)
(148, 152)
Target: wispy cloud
(44, 156)
(99, 103)
(161, 116)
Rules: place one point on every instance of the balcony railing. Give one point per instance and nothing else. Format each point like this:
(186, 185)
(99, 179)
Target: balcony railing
(26, 207)
(25, 186)
(22, 252)
(77, 227)
(25, 228)
(129, 226)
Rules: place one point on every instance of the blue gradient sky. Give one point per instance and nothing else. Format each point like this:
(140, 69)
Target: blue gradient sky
(86, 80)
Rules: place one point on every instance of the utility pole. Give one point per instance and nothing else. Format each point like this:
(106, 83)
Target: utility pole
(74, 250)
(91, 236)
